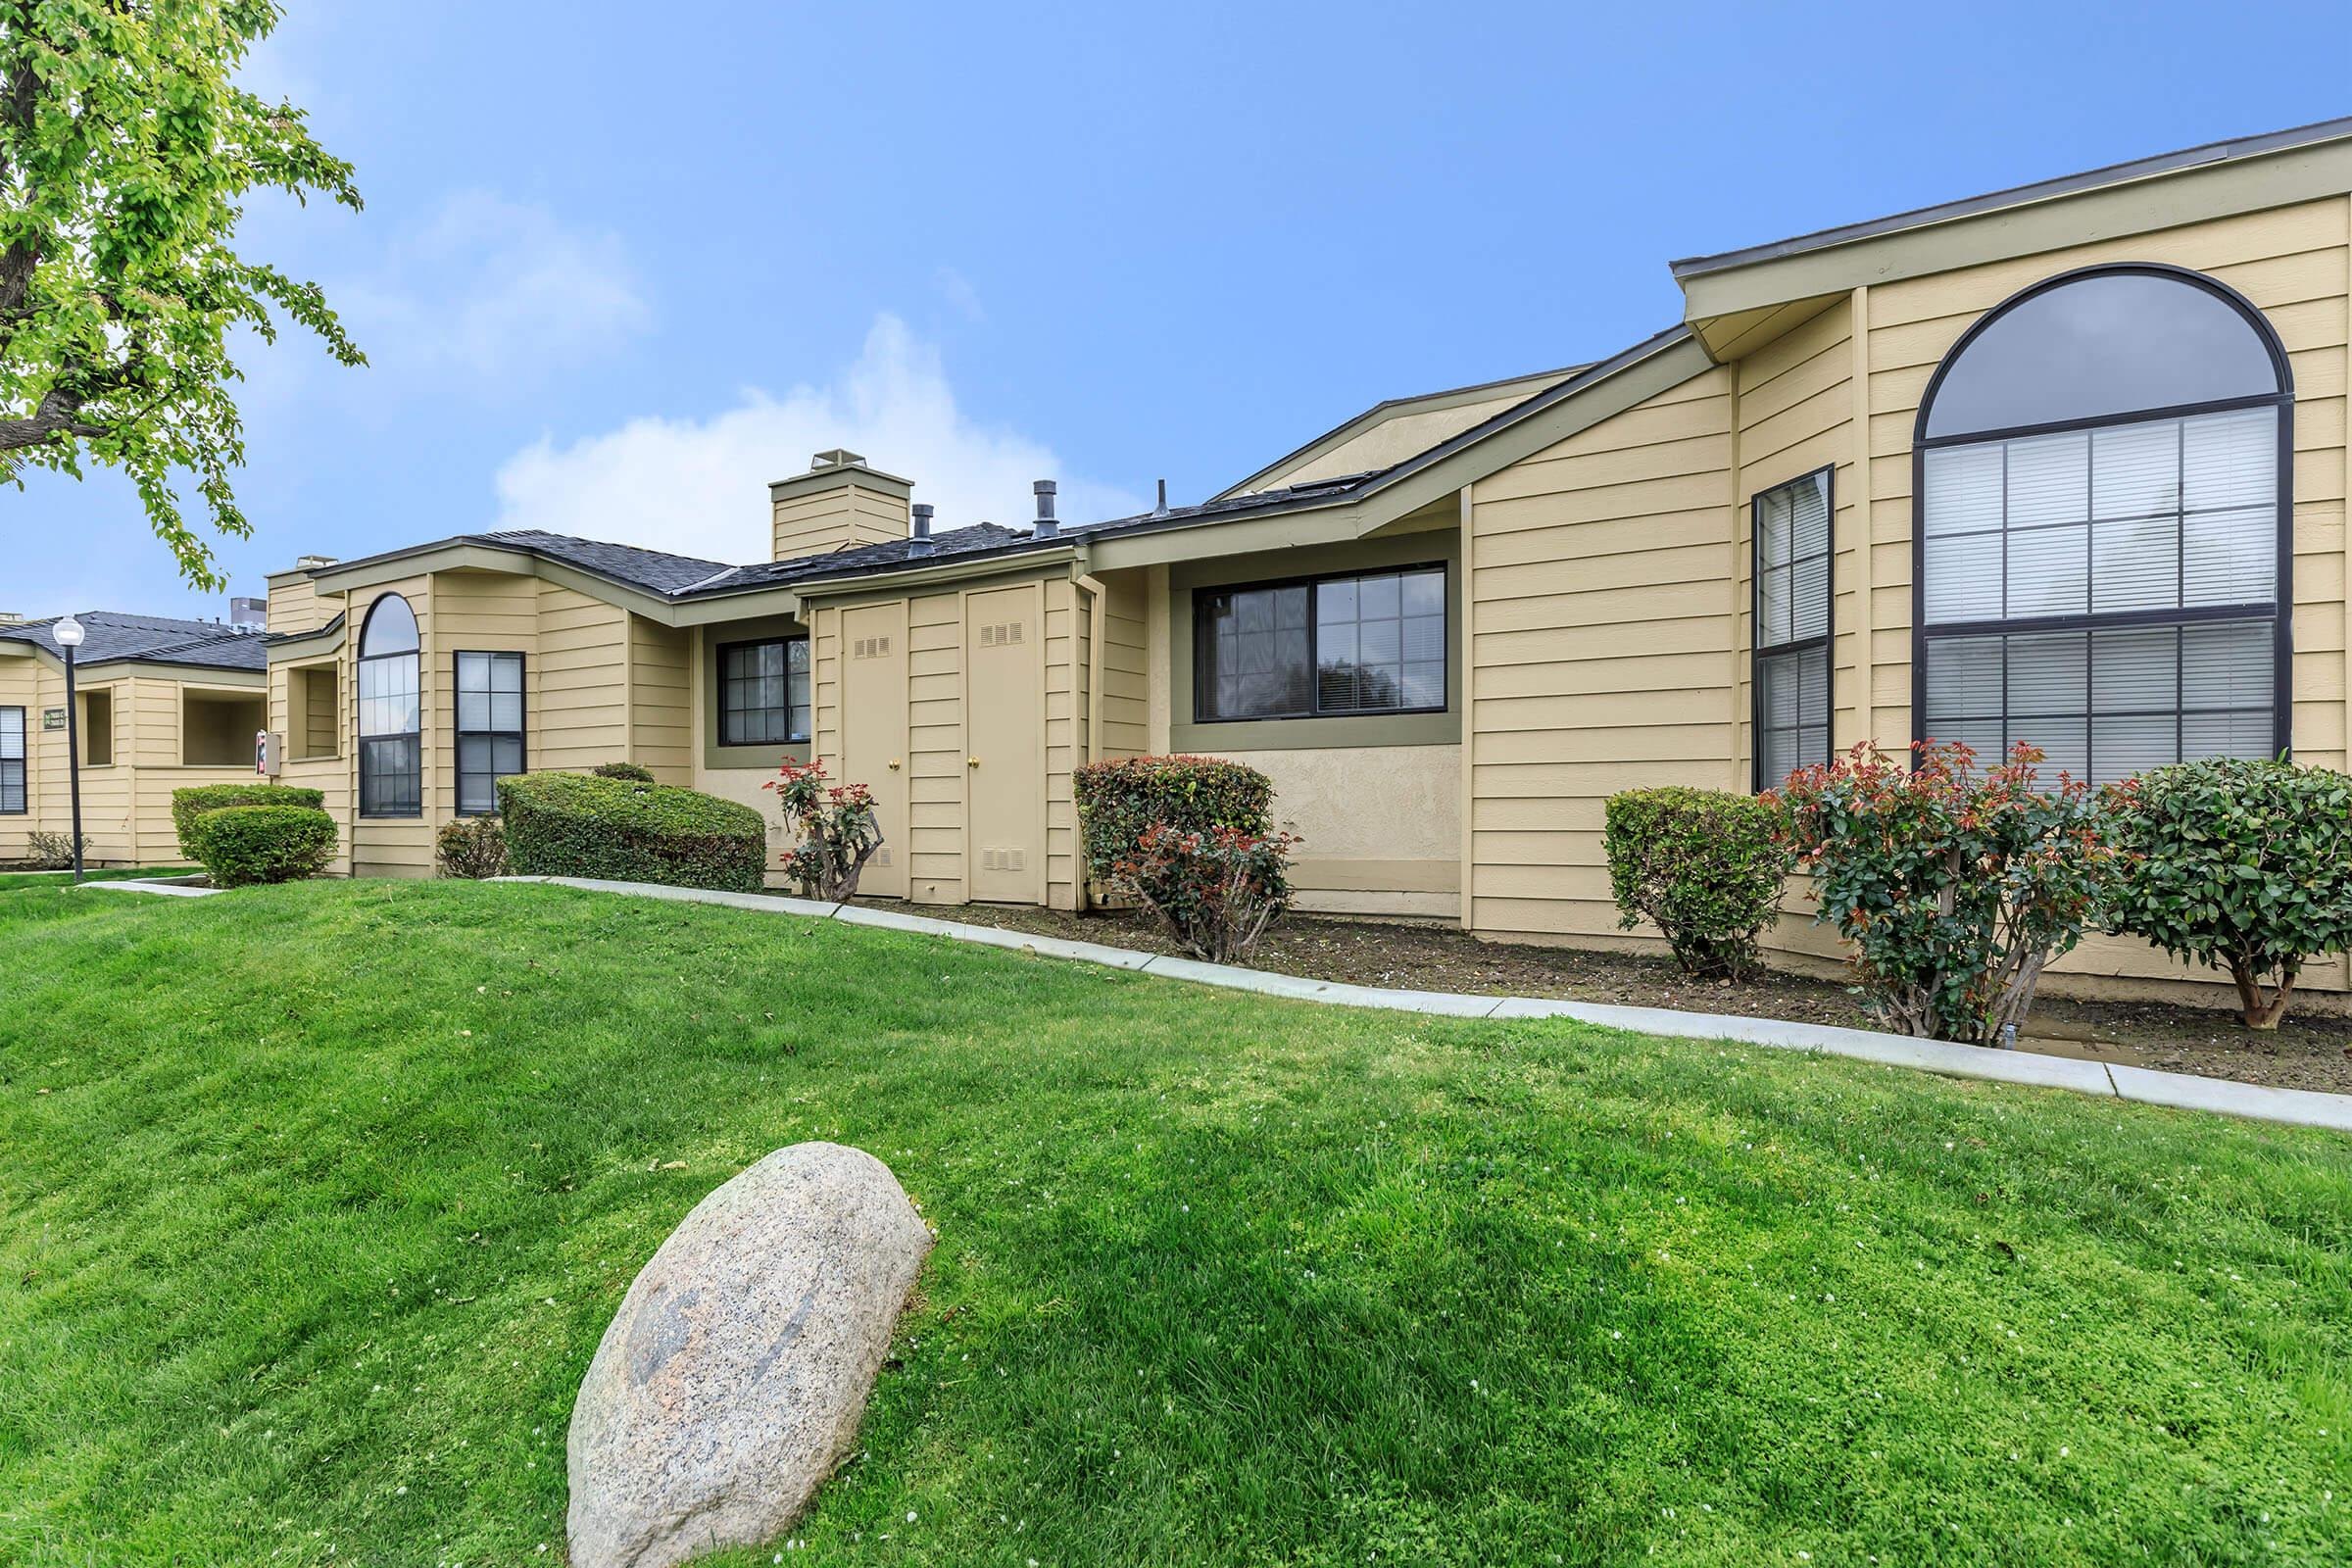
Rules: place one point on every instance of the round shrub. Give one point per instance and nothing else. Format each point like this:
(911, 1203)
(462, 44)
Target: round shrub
(472, 847)
(193, 801)
(237, 844)
(576, 824)
(1119, 799)
(1954, 885)
(1215, 892)
(1704, 866)
(2241, 866)
(628, 770)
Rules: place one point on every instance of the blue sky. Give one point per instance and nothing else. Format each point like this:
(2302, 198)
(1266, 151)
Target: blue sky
(614, 277)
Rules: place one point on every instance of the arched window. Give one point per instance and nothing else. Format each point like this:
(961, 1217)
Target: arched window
(391, 762)
(2101, 531)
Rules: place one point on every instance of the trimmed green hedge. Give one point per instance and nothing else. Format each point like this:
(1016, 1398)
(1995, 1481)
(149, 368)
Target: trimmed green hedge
(237, 844)
(192, 803)
(2244, 865)
(574, 824)
(1118, 800)
(1704, 866)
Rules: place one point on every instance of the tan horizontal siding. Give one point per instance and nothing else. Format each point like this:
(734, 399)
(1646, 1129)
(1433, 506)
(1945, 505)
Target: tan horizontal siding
(1599, 612)
(660, 698)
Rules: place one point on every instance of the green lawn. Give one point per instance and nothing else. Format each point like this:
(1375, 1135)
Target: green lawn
(110, 874)
(314, 1201)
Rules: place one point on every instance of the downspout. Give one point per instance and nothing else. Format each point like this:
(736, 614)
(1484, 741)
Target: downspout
(1096, 594)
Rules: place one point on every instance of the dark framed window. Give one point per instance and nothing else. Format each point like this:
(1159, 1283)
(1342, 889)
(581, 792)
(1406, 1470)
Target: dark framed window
(1790, 527)
(2102, 539)
(391, 749)
(11, 763)
(1360, 643)
(490, 727)
(763, 692)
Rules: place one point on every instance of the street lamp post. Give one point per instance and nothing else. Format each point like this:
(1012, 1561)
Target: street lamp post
(68, 634)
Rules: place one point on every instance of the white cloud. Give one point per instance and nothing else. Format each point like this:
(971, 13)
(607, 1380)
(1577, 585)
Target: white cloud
(499, 288)
(699, 487)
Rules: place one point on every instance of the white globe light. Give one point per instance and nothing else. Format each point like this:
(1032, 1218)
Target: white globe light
(67, 632)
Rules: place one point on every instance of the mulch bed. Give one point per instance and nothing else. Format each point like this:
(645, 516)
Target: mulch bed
(2311, 1053)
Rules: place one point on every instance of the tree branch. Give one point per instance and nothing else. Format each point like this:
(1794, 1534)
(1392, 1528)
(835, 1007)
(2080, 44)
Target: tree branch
(56, 421)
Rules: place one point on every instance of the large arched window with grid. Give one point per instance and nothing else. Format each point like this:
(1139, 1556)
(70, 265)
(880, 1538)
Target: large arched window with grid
(391, 762)
(2101, 529)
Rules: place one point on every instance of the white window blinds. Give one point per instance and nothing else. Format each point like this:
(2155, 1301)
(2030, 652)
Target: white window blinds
(1792, 553)
(2109, 594)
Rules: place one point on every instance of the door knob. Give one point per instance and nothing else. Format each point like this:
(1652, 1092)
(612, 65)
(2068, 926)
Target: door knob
(893, 765)
(971, 761)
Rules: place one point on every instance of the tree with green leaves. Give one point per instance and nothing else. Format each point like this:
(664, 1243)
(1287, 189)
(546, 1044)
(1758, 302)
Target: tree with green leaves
(126, 151)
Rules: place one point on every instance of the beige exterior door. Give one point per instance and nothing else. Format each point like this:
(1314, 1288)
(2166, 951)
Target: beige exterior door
(874, 731)
(1004, 651)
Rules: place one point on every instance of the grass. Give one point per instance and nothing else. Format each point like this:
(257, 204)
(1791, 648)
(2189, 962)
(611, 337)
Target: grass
(96, 873)
(315, 1200)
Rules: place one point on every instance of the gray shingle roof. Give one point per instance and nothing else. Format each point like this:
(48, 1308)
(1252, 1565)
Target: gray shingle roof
(643, 569)
(675, 577)
(110, 637)
(977, 538)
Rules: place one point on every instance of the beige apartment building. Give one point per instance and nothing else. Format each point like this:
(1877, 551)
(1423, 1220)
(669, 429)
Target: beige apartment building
(2064, 464)
(162, 703)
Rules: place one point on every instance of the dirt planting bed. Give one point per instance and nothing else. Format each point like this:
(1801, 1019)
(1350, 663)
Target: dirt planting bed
(2308, 1053)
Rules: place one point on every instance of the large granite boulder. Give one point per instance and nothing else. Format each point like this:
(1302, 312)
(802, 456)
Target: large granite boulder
(732, 1379)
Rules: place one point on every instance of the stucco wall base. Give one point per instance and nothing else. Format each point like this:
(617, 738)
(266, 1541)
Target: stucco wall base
(1414, 906)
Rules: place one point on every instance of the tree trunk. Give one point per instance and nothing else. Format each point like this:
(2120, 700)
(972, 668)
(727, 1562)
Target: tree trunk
(2259, 1011)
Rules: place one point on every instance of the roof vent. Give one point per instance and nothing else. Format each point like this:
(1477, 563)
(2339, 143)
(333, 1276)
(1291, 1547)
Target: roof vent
(919, 542)
(1045, 528)
(9, 618)
(1161, 510)
(835, 458)
(248, 614)
(313, 563)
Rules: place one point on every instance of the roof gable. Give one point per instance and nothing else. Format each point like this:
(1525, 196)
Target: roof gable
(2248, 174)
(1388, 432)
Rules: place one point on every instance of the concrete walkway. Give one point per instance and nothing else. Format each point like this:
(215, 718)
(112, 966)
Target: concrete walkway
(2184, 1091)
(167, 887)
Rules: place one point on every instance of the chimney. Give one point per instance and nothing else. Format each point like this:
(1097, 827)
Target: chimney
(1044, 527)
(838, 504)
(248, 614)
(10, 618)
(920, 542)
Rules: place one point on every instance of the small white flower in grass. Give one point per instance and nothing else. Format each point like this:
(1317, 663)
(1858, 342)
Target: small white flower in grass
(1616, 1333)
(910, 1516)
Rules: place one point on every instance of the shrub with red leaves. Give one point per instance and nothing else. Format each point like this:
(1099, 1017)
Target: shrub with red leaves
(1215, 892)
(835, 825)
(1954, 885)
